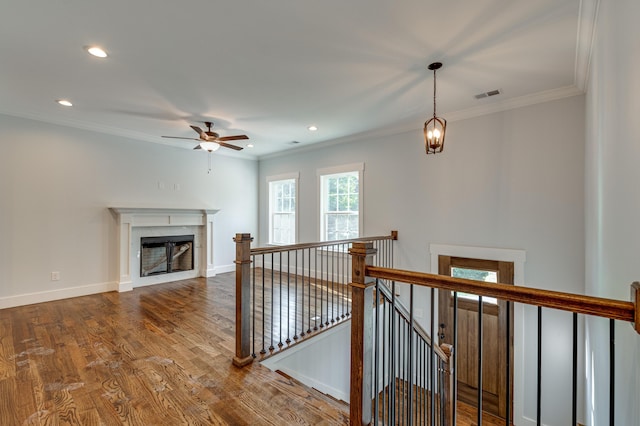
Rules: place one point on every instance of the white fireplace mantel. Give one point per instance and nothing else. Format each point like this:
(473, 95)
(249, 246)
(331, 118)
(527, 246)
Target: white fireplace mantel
(130, 217)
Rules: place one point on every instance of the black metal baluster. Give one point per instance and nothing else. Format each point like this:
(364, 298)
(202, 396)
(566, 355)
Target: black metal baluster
(263, 350)
(410, 329)
(423, 382)
(539, 382)
(302, 273)
(315, 268)
(344, 279)
(393, 349)
(321, 286)
(574, 399)
(326, 281)
(295, 309)
(342, 274)
(288, 297)
(612, 371)
(455, 355)
(309, 297)
(508, 367)
(280, 344)
(431, 359)
(480, 330)
(271, 347)
(338, 280)
(405, 364)
(253, 294)
(332, 253)
(418, 384)
(376, 356)
(385, 358)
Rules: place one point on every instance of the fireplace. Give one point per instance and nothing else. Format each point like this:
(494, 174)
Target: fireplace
(134, 223)
(166, 254)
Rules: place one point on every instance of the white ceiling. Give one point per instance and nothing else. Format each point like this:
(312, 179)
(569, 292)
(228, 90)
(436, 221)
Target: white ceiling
(271, 68)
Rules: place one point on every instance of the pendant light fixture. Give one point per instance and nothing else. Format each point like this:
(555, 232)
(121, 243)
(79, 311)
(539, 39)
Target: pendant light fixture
(434, 128)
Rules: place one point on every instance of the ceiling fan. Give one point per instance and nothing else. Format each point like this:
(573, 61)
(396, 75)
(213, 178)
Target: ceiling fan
(211, 141)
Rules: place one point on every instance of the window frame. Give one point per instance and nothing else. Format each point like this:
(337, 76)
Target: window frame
(328, 171)
(270, 200)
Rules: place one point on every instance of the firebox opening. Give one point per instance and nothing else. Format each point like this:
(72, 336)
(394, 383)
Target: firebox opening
(166, 254)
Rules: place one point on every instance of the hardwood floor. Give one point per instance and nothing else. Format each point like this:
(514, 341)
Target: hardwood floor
(159, 355)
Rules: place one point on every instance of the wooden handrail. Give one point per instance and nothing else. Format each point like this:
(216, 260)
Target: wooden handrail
(607, 308)
(300, 246)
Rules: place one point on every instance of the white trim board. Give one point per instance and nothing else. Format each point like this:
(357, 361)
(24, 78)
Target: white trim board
(518, 257)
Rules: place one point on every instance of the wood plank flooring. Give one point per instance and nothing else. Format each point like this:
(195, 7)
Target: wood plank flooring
(159, 355)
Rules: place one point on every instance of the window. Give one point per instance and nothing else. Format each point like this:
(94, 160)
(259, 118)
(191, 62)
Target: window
(283, 194)
(340, 202)
(488, 276)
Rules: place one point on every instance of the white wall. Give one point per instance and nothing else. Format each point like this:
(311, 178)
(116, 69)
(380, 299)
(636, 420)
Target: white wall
(613, 204)
(512, 179)
(322, 362)
(56, 184)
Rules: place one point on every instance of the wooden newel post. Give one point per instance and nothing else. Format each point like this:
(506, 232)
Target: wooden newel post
(449, 398)
(243, 293)
(361, 392)
(635, 298)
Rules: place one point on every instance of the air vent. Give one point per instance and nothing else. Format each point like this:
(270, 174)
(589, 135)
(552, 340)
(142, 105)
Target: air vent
(487, 94)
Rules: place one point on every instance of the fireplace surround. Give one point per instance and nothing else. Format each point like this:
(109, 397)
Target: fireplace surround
(135, 223)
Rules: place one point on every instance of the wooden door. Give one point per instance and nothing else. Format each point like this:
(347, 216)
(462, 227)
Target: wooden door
(494, 350)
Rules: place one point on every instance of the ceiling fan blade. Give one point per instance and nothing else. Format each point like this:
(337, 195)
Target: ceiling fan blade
(233, 138)
(228, 145)
(199, 131)
(180, 137)
(197, 147)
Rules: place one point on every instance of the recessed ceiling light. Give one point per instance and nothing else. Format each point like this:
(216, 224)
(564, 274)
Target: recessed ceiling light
(312, 128)
(64, 102)
(249, 145)
(96, 51)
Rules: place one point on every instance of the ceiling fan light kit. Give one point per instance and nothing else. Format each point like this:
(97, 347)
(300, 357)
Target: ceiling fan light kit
(209, 146)
(211, 141)
(434, 128)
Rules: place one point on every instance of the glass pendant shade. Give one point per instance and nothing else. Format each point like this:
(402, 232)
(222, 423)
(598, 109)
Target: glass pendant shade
(209, 146)
(434, 132)
(436, 127)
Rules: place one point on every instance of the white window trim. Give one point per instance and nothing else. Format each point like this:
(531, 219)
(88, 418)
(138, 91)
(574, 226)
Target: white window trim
(353, 167)
(285, 176)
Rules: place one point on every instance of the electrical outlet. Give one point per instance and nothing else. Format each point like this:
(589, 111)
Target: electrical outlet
(55, 276)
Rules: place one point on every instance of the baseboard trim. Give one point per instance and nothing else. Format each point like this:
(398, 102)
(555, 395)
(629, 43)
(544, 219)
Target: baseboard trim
(225, 268)
(58, 294)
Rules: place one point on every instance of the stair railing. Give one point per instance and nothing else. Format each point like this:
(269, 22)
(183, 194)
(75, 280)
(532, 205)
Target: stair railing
(365, 353)
(285, 294)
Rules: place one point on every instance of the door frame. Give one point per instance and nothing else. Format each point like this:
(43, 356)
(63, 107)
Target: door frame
(504, 271)
(518, 257)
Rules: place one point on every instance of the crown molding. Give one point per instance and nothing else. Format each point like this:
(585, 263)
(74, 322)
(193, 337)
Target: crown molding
(587, 22)
(513, 103)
